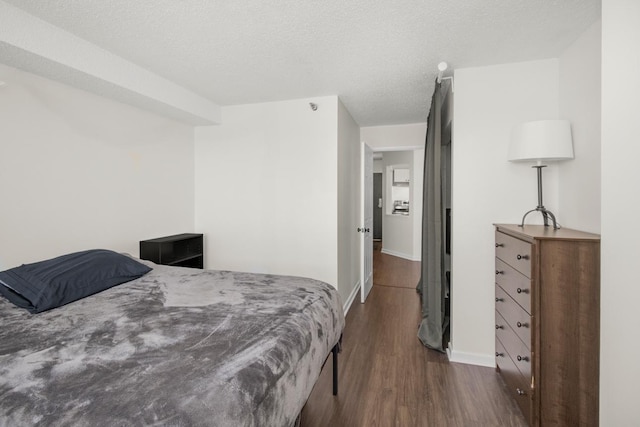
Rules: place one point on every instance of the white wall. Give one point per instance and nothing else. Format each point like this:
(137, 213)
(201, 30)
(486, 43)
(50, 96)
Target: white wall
(377, 165)
(349, 195)
(620, 293)
(78, 171)
(488, 189)
(397, 230)
(579, 179)
(396, 137)
(266, 188)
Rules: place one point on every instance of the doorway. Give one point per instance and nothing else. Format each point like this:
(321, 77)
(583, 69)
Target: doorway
(399, 169)
(397, 201)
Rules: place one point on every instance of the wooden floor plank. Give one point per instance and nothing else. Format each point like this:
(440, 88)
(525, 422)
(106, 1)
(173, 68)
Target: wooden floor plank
(388, 378)
(394, 271)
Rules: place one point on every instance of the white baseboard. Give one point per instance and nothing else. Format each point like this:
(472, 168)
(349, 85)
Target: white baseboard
(400, 255)
(352, 297)
(487, 360)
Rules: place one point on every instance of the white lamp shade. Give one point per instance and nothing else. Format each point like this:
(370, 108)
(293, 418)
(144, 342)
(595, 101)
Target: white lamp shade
(541, 140)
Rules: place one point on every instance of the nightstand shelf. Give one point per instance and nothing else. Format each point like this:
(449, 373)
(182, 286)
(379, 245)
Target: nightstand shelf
(180, 250)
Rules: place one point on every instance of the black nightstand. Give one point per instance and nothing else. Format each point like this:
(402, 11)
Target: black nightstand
(180, 250)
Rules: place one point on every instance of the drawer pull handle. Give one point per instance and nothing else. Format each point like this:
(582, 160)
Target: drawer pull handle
(499, 245)
(499, 327)
(522, 358)
(520, 392)
(522, 325)
(499, 299)
(499, 354)
(519, 257)
(499, 272)
(522, 291)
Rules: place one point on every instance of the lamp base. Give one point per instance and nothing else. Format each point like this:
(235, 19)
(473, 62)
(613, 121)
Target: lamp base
(540, 208)
(546, 214)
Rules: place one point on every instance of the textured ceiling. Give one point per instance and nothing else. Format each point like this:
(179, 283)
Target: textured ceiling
(379, 56)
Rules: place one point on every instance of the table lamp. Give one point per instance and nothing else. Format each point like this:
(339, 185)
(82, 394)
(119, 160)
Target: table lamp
(542, 140)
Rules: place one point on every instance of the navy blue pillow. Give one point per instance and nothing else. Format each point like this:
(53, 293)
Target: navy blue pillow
(48, 284)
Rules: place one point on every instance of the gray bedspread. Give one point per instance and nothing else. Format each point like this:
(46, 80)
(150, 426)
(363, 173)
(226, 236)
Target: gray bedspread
(177, 347)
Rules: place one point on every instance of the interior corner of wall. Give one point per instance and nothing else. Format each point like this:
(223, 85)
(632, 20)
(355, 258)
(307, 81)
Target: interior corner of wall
(351, 298)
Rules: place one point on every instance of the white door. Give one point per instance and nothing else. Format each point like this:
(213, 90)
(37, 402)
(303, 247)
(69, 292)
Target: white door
(366, 229)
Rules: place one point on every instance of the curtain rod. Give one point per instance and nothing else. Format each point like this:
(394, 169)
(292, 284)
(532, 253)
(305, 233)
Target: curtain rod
(442, 67)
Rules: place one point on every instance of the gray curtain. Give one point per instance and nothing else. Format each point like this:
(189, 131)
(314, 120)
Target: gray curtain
(432, 279)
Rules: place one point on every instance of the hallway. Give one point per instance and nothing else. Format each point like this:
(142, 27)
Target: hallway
(393, 271)
(386, 376)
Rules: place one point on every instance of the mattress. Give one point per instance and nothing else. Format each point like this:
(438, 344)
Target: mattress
(178, 346)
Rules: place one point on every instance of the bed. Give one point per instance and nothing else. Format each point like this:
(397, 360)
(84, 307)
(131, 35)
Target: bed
(176, 346)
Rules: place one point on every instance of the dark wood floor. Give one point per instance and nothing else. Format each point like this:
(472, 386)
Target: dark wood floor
(394, 271)
(387, 378)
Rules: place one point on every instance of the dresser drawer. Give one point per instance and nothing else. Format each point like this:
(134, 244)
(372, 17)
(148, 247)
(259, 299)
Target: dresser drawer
(514, 283)
(513, 315)
(515, 252)
(517, 385)
(515, 349)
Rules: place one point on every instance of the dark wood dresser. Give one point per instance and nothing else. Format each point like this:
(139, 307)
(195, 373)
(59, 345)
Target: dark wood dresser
(548, 322)
(180, 250)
